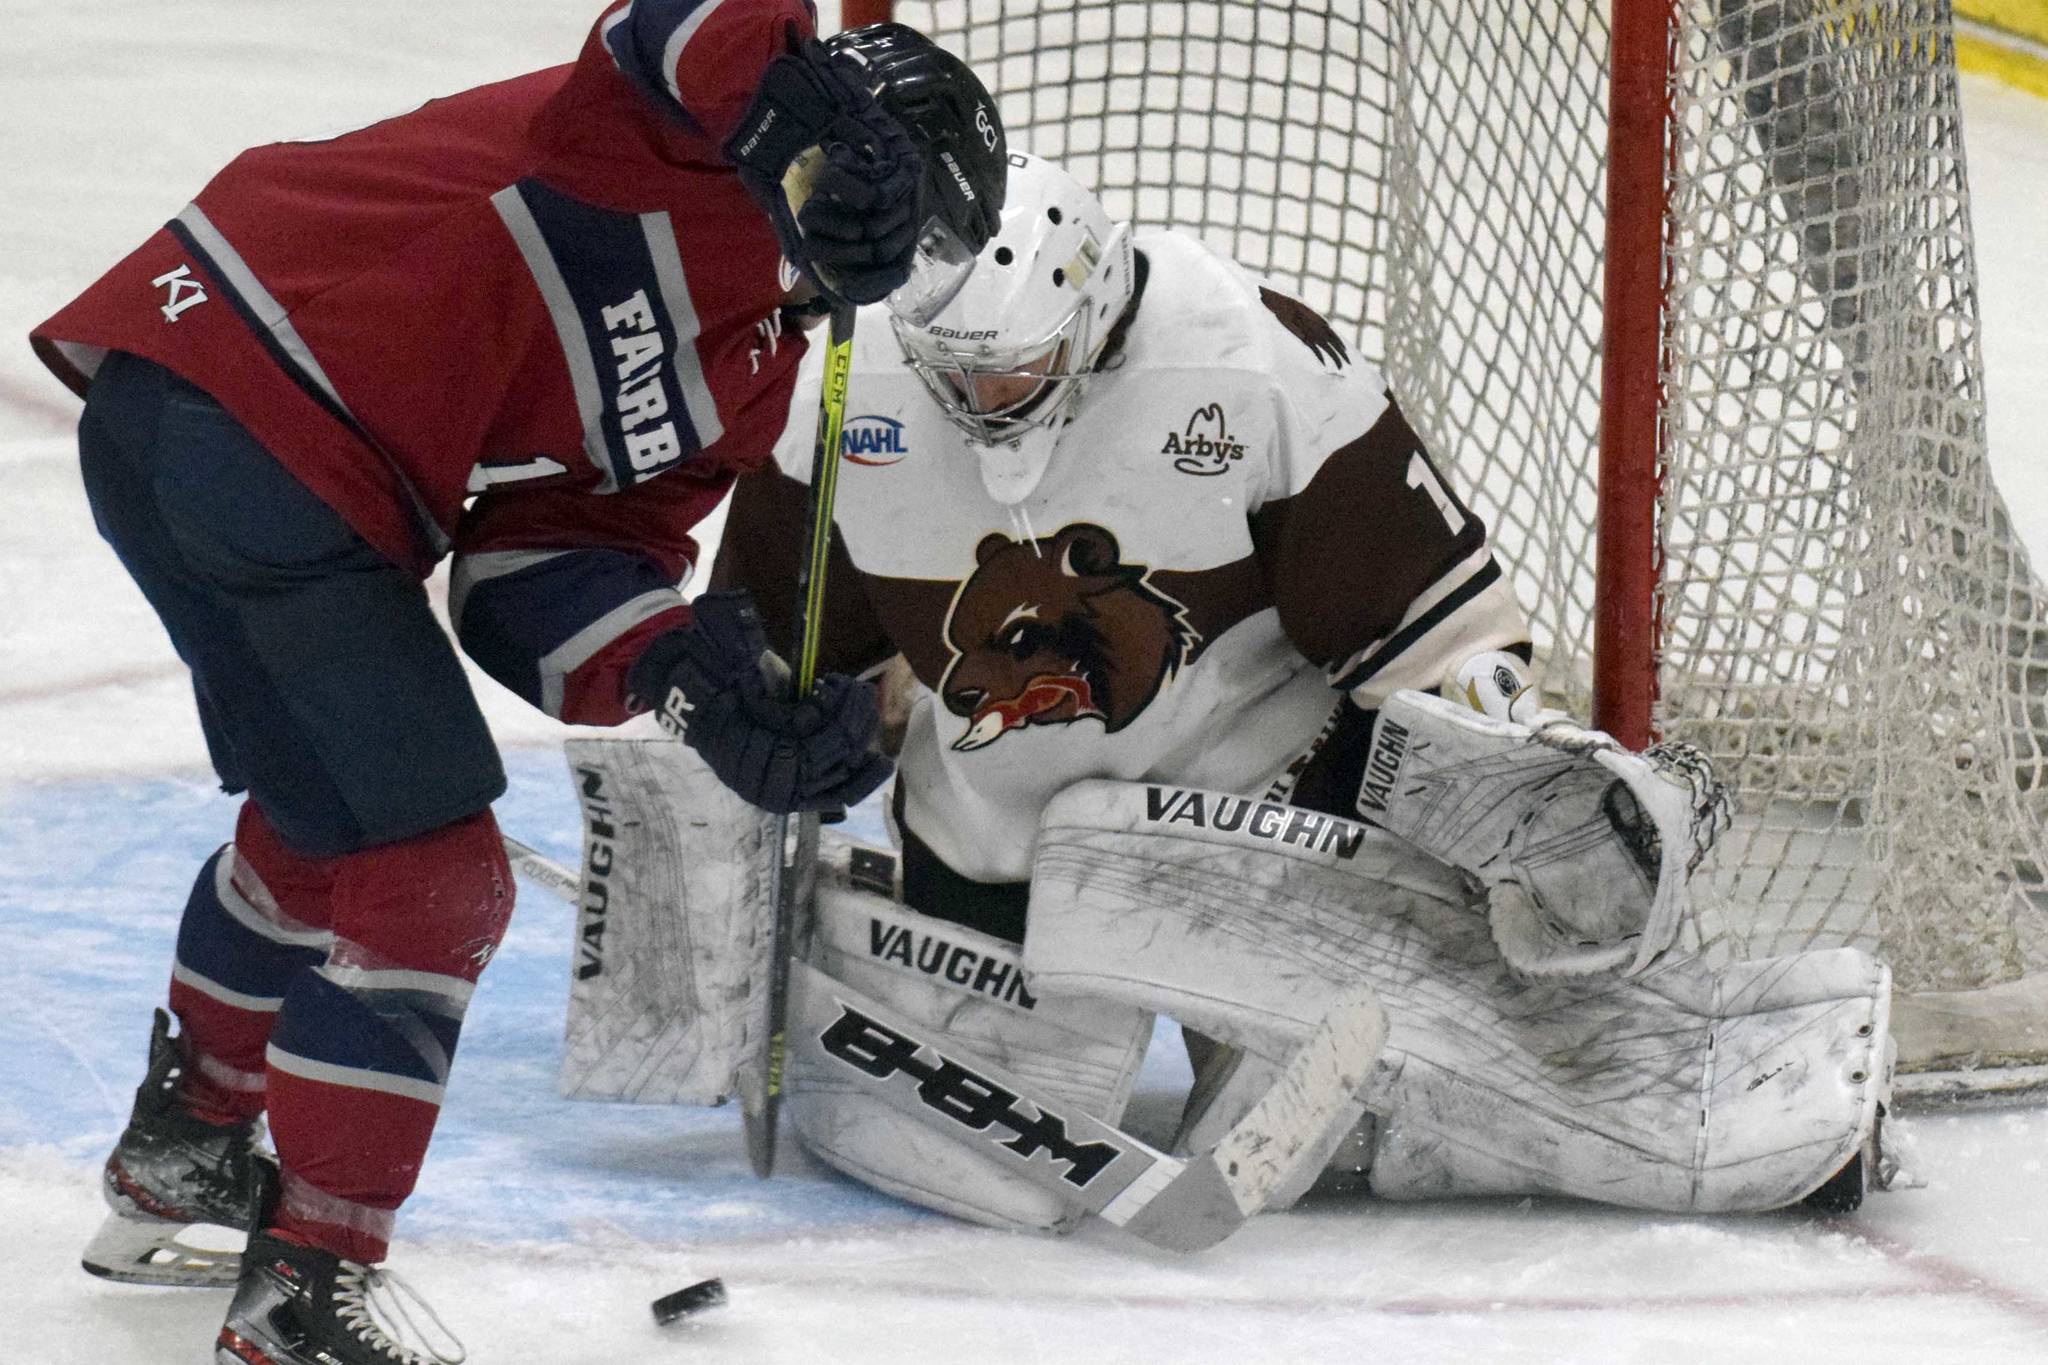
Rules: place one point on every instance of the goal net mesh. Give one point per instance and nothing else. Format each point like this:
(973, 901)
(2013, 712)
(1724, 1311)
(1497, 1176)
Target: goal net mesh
(1846, 621)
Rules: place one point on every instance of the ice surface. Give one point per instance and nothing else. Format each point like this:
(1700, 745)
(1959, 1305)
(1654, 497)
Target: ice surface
(541, 1229)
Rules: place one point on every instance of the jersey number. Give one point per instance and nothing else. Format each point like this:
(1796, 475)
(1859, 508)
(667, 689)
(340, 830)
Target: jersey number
(1421, 475)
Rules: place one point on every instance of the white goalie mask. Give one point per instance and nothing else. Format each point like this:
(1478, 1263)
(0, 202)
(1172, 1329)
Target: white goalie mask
(1009, 355)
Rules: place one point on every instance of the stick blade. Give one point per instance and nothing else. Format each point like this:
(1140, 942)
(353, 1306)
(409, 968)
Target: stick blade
(1198, 1210)
(1315, 1103)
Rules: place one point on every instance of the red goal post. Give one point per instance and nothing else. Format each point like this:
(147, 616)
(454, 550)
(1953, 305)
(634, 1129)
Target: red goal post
(1685, 289)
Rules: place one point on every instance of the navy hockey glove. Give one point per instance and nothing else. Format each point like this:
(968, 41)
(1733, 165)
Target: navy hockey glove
(719, 690)
(848, 216)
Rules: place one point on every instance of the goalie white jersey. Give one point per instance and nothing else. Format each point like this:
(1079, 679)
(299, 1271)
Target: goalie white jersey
(1236, 519)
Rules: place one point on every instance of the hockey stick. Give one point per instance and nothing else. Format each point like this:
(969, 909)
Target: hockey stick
(530, 862)
(1181, 1204)
(761, 1098)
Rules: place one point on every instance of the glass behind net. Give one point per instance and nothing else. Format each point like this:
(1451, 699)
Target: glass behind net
(1847, 623)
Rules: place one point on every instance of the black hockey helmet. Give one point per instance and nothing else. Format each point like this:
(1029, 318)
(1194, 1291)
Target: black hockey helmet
(952, 117)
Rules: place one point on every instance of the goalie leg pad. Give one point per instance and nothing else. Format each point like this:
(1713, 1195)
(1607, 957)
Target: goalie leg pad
(912, 1045)
(1241, 918)
(1683, 1088)
(1686, 1090)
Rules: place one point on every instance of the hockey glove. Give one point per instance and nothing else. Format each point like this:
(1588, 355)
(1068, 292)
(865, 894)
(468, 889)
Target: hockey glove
(834, 171)
(721, 691)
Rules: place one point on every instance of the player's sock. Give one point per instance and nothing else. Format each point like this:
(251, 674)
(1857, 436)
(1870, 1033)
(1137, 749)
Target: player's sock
(361, 1047)
(257, 918)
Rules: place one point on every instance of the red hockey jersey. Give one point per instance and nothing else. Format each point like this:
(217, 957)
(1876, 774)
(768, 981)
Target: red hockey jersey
(535, 323)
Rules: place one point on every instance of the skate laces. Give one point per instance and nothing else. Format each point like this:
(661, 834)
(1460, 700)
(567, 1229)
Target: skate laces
(379, 1306)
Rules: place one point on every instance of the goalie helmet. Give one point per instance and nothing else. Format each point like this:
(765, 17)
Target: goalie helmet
(1008, 357)
(952, 118)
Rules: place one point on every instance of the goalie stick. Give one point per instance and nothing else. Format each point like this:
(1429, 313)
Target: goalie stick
(1178, 1203)
(761, 1087)
(1192, 1204)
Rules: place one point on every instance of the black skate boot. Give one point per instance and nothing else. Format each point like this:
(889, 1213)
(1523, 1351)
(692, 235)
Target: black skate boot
(169, 1176)
(298, 1305)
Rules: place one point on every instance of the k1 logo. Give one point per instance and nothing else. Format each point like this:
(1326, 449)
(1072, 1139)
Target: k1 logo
(185, 291)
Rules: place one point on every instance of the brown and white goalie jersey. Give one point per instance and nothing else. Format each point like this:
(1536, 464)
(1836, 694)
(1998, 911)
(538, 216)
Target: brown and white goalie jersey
(1236, 519)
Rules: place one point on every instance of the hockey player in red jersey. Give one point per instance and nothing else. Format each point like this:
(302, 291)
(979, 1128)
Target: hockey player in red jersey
(537, 325)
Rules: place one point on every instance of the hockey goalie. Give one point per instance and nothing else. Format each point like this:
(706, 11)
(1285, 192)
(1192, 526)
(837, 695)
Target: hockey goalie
(1221, 712)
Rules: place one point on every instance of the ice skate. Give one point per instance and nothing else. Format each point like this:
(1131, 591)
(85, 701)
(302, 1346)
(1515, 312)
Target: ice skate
(299, 1305)
(183, 1191)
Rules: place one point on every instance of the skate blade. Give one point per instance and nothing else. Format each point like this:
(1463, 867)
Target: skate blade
(156, 1251)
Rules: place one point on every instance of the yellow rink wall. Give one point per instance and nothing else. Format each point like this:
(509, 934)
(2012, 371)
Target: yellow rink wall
(2005, 38)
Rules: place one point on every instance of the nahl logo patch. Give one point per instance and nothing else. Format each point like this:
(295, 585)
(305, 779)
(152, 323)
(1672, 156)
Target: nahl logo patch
(1266, 820)
(966, 1097)
(1205, 446)
(872, 440)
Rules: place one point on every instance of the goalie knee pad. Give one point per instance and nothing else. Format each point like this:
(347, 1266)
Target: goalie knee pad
(964, 996)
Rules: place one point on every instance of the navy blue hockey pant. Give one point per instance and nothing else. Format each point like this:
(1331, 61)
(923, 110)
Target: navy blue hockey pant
(325, 686)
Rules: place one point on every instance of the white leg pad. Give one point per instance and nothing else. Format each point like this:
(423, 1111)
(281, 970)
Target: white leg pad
(1683, 1088)
(962, 995)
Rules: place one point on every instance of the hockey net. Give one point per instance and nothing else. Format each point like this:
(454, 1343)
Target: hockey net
(1837, 608)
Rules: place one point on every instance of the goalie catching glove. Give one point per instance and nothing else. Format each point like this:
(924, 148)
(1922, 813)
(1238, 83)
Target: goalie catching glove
(1584, 848)
(723, 692)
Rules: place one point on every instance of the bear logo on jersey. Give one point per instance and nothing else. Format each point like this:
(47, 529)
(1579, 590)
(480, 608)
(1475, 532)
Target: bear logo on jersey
(1309, 327)
(1055, 630)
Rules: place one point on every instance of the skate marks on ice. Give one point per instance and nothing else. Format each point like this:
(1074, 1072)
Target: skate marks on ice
(1500, 1283)
(542, 1227)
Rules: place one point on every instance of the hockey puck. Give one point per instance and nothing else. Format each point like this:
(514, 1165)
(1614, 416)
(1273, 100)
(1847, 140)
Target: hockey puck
(689, 1301)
